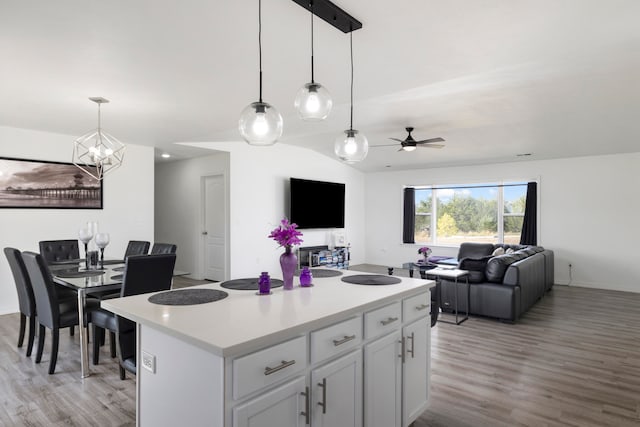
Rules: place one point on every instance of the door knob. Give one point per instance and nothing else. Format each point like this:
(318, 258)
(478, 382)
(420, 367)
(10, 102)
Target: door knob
(204, 233)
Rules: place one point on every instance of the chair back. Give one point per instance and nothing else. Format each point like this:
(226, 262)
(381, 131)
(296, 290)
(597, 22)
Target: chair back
(26, 299)
(43, 289)
(137, 247)
(59, 250)
(163, 248)
(142, 274)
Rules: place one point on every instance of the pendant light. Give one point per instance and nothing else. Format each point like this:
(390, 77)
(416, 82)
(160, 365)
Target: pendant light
(313, 101)
(98, 148)
(260, 123)
(353, 146)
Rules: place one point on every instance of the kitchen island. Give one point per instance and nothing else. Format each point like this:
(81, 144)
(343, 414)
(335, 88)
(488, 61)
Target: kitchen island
(335, 354)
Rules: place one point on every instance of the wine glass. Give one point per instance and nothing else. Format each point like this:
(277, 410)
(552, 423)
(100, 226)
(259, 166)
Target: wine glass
(85, 234)
(102, 240)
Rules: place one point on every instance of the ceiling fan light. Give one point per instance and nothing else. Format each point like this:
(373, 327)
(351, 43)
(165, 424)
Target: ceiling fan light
(409, 147)
(260, 124)
(352, 147)
(313, 102)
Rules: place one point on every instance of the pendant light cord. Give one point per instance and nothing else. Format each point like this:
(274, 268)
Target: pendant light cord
(99, 115)
(260, 44)
(311, 3)
(351, 47)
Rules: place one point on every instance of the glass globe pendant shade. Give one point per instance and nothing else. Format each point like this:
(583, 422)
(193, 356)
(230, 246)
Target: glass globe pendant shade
(351, 147)
(313, 102)
(260, 124)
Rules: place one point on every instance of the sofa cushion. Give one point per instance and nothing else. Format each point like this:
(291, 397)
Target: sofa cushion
(476, 268)
(474, 250)
(497, 266)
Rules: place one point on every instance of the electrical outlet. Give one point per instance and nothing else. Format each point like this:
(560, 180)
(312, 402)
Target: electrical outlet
(149, 362)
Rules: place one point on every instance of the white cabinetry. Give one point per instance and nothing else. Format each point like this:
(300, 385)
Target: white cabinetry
(415, 370)
(337, 392)
(284, 406)
(382, 381)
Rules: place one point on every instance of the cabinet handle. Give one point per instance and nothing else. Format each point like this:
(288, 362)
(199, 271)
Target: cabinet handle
(388, 320)
(284, 364)
(323, 384)
(307, 409)
(402, 347)
(412, 345)
(422, 307)
(344, 340)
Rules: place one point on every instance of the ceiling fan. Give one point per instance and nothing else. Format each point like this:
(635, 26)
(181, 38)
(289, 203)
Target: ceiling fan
(410, 144)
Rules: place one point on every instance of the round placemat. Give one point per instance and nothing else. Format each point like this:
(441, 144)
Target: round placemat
(371, 279)
(320, 273)
(249, 284)
(117, 277)
(118, 268)
(188, 297)
(68, 274)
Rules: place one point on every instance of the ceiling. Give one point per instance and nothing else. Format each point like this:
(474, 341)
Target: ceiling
(495, 78)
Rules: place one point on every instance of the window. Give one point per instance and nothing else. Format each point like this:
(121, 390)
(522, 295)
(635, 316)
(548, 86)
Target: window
(487, 213)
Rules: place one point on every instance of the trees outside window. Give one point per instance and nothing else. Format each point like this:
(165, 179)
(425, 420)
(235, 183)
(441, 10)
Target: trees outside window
(450, 216)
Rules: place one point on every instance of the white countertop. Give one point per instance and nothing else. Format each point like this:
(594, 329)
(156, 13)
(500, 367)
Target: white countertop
(244, 321)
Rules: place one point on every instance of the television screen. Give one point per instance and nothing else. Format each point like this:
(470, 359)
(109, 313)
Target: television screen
(316, 204)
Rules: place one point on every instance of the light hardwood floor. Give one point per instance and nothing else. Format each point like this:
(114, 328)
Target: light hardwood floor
(572, 360)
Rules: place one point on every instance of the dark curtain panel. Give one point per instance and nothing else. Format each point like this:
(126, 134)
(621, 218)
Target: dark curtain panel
(529, 225)
(409, 217)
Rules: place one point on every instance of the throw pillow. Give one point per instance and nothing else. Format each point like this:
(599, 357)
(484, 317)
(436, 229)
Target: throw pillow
(509, 251)
(498, 251)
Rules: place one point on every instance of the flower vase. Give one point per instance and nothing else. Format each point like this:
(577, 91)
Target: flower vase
(288, 263)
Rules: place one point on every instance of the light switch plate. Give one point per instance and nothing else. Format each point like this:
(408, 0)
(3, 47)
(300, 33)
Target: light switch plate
(149, 362)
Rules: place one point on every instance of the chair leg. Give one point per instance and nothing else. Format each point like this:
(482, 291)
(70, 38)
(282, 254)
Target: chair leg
(23, 324)
(32, 334)
(123, 374)
(72, 330)
(40, 343)
(112, 343)
(98, 333)
(54, 350)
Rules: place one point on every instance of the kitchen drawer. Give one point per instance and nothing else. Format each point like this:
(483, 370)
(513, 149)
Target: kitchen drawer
(335, 339)
(382, 320)
(265, 367)
(415, 307)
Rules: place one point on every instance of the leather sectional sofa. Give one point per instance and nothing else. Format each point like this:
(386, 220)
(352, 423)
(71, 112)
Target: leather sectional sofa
(501, 286)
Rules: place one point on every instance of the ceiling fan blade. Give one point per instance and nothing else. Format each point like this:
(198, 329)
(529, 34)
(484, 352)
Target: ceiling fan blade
(384, 145)
(427, 141)
(402, 149)
(430, 146)
(396, 139)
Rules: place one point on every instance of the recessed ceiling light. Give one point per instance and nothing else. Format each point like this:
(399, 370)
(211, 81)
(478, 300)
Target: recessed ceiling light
(387, 166)
(523, 155)
(166, 155)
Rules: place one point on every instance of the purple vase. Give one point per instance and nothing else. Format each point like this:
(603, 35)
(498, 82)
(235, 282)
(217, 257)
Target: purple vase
(288, 263)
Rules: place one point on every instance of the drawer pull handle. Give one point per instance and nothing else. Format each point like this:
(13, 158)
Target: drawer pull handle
(344, 340)
(388, 320)
(284, 364)
(412, 345)
(323, 384)
(307, 405)
(422, 307)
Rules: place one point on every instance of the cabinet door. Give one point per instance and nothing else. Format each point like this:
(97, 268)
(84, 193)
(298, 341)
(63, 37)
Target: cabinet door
(382, 382)
(417, 336)
(337, 392)
(282, 406)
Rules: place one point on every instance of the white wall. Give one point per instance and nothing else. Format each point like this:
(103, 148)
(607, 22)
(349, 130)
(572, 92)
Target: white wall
(589, 210)
(258, 179)
(127, 202)
(178, 213)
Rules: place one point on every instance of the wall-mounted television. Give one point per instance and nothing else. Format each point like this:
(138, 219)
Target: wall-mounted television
(316, 204)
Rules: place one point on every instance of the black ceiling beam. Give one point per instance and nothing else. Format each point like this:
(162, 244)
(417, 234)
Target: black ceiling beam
(332, 14)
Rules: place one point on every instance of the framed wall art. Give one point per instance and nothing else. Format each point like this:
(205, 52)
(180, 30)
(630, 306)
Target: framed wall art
(42, 184)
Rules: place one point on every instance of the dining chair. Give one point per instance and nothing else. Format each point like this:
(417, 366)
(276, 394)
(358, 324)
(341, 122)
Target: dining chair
(53, 313)
(137, 247)
(142, 274)
(26, 300)
(163, 248)
(59, 250)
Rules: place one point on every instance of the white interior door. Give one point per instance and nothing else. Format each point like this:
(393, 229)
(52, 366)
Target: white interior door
(214, 230)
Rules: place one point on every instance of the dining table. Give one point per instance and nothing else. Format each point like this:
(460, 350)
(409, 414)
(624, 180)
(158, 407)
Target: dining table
(74, 275)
